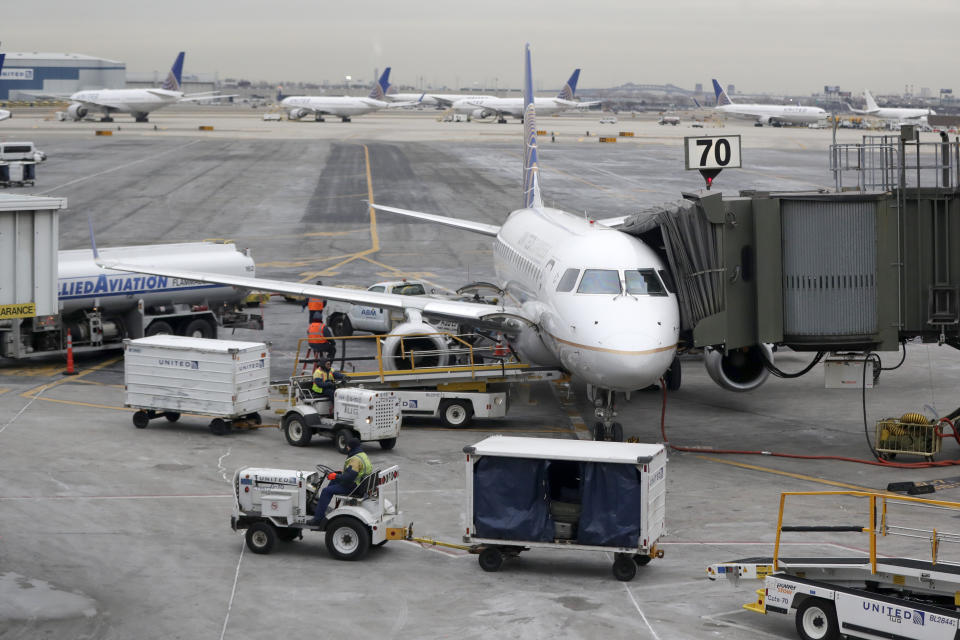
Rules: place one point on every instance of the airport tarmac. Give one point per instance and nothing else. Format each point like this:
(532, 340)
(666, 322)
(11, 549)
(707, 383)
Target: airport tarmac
(108, 531)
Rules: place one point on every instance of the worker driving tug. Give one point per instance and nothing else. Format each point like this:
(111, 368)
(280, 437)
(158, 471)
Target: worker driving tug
(325, 380)
(355, 468)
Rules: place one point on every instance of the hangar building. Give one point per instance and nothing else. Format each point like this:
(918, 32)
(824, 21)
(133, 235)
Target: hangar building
(26, 76)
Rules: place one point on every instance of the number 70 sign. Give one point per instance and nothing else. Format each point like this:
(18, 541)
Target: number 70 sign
(712, 152)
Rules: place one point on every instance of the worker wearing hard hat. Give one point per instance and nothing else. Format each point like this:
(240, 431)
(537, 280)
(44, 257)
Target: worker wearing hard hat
(355, 468)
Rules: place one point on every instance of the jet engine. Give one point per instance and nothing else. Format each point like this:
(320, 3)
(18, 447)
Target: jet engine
(402, 347)
(480, 114)
(77, 111)
(740, 369)
(296, 114)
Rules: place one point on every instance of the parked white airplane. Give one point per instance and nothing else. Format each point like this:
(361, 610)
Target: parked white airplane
(4, 114)
(767, 113)
(344, 107)
(137, 102)
(904, 114)
(432, 99)
(479, 107)
(574, 293)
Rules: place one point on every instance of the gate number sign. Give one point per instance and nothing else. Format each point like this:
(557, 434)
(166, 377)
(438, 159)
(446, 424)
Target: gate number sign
(712, 152)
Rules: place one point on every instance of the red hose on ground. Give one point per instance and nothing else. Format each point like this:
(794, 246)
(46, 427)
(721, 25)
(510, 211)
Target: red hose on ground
(876, 463)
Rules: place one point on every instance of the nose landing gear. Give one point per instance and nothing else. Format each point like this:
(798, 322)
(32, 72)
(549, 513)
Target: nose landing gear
(605, 428)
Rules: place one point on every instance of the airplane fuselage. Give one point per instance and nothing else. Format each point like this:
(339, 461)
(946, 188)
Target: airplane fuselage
(774, 112)
(126, 100)
(342, 106)
(513, 106)
(599, 325)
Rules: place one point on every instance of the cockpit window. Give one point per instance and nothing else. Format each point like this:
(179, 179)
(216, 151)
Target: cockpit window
(568, 280)
(644, 282)
(667, 278)
(600, 281)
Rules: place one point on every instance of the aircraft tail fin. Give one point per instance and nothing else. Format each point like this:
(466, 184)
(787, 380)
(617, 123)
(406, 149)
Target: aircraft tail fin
(2, 56)
(280, 95)
(570, 89)
(722, 98)
(173, 81)
(697, 103)
(380, 87)
(871, 103)
(531, 169)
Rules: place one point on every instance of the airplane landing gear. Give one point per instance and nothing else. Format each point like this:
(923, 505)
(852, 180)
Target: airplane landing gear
(140, 117)
(605, 428)
(106, 118)
(345, 119)
(319, 118)
(501, 120)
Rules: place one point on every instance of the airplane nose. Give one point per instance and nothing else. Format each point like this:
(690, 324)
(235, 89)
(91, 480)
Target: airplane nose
(630, 361)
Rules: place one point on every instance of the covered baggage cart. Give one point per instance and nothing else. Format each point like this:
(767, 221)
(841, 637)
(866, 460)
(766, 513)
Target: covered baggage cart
(525, 493)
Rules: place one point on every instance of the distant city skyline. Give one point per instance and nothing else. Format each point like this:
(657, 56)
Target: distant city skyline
(757, 46)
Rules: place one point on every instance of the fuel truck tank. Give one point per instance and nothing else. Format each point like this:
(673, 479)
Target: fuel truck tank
(82, 284)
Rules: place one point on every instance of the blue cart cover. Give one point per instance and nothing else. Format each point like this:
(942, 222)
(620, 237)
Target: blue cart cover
(612, 505)
(510, 499)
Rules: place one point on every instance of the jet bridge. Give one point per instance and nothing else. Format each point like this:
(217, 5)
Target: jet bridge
(862, 267)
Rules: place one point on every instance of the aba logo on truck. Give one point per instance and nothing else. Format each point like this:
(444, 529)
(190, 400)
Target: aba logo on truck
(368, 312)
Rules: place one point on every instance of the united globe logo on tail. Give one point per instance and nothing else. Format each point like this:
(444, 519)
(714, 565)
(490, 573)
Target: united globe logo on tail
(531, 170)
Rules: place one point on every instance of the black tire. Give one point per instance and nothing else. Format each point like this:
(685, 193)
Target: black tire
(140, 419)
(261, 537)
(490, 559)
(198, 328)
(456, 413)
(388, 443)
(171, 416)
(642, 560)
(159, 327)
(616, 432)
(219, 427)
(673, 375)
(347, 538)
(817, 620)
(340, 437)
(296, 432)
(254, 418)
(599, 432)
(624, 568)
(340, 325)
(288, 534)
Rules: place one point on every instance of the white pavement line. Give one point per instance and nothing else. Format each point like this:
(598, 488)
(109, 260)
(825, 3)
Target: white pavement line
(123, 166)
(640, 611)
(716, 620)
(25, 407)
(222, 470)
(233, 592)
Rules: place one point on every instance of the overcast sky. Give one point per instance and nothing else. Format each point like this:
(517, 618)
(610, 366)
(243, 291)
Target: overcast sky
(759, 45)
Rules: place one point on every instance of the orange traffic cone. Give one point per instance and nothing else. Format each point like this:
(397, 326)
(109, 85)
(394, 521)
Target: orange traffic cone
(70, 370)
(500, 350)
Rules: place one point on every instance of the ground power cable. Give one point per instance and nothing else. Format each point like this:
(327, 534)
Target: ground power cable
(877, 461)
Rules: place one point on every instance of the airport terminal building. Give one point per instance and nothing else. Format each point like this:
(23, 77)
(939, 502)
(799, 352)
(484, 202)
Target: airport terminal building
(27, 76)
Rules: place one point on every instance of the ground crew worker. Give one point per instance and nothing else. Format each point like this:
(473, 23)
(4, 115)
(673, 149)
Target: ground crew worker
(315, 307)
(325, 381)
(318, 335)
(355, 468)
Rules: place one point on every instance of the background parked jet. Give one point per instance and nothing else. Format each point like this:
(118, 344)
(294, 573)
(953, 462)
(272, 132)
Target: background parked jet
(767, 113)
(898, 114)
(485, 106)
(343, 107)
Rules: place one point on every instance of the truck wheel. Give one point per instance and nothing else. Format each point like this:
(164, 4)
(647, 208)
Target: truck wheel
(340, 438)
(490, 559)
(347, 539)
(456, 413)
(140, 420)
(219, 427)
(340, 325)
(159, 327)
(198, 328)
(817, 620)
(624, 568)
(388, 443)
(171, 416)
(642, 560)
(261, 537)
(296, 433)
(254, 418)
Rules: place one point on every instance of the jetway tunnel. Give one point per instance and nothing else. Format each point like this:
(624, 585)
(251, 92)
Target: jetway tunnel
(860, 268)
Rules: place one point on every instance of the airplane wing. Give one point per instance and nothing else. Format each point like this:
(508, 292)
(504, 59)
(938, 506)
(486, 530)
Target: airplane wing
(4, 114)
(194, 97)
(450, 309)
(457, 223)
(443, 102)
(613, 222)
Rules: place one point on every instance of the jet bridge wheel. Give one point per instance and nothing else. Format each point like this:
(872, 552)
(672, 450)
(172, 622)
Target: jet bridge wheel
(624, 567)
(817, 620)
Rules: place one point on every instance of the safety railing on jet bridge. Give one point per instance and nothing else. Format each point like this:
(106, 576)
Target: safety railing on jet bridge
(886, 163)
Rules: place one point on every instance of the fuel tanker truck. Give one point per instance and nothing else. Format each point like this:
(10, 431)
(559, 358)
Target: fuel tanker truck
(101, 307)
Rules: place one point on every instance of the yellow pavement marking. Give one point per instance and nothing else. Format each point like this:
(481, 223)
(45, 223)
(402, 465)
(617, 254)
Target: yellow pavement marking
(32, 393)
(788, 474)
(37, 370)
(4, 390)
